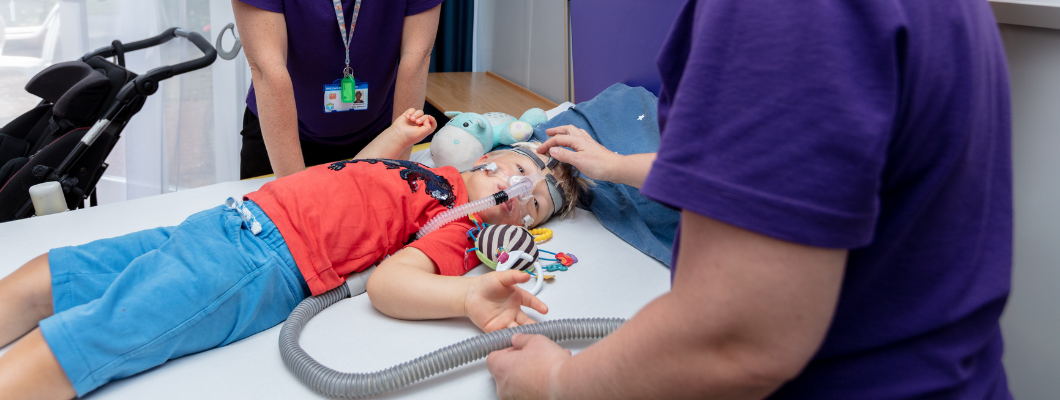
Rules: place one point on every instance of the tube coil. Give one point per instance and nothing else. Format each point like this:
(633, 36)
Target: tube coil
(452, 214)
(333, 383)
(520, 186)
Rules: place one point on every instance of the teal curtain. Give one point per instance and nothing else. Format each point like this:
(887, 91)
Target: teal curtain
(452, 46)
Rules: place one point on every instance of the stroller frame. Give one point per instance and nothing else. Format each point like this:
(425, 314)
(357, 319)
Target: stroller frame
(83, 164)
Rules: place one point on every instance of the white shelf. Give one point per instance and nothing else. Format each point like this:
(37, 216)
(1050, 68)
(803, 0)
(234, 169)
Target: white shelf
(1040, 13)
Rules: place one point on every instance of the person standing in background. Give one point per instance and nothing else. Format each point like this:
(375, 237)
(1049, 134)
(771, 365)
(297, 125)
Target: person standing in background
(306, 66)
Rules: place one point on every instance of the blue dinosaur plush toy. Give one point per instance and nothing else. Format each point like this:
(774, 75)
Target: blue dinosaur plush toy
(468, 136)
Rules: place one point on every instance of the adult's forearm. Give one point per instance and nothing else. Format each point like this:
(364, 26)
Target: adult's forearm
(279, 122)
(632, 169)
(659, 354)
(410, 88)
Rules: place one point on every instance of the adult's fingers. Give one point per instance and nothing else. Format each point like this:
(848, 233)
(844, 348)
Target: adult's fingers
(570, 130)
(565, 156)
(575, 143)
(521, 340)
(496, 357)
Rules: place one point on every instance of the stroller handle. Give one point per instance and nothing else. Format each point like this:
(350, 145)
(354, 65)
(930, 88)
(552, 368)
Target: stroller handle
(147, 84)
(165, 36)
(209, 54)
(168, 71)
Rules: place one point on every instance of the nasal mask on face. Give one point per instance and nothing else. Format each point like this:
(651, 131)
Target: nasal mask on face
(530, 180)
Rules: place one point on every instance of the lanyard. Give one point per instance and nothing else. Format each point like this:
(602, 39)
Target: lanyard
(346, 40)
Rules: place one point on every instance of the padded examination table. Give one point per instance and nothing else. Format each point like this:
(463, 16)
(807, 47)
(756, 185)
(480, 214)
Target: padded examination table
(612, 279)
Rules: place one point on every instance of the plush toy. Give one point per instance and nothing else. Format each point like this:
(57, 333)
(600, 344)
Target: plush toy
(468, 136)
(504, 247)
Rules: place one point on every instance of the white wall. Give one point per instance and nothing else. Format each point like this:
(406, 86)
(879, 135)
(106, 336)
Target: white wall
(1031, 322)
(231, 80)
(524, 42)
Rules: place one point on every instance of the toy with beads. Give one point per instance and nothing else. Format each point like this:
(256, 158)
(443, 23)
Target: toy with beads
(541, 235)
(503, 247)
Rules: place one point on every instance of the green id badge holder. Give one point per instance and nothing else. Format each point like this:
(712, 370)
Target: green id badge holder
(348, 86)
(339, 96)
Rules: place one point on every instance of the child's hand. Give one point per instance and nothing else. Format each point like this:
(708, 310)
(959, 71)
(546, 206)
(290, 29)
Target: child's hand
(495, 302)
(413, 126)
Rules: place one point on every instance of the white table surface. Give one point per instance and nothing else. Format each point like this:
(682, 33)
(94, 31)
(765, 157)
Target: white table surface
(612, 279)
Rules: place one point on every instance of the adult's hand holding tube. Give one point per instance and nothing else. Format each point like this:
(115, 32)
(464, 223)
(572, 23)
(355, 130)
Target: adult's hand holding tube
(536, 359)
(334, 383)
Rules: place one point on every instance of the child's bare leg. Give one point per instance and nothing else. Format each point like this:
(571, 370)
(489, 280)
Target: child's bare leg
(29, 370)
(25, 299)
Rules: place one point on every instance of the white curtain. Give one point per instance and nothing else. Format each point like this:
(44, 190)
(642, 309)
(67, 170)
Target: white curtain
(187, 134)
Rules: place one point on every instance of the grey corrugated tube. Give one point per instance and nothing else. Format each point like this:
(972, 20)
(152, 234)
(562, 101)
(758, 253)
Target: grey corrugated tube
(333, 383)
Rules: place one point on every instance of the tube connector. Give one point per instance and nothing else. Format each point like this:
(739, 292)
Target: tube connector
(500, 197)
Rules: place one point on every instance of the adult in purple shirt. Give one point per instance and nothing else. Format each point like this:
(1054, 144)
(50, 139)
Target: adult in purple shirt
(844, 176)
(294, 48)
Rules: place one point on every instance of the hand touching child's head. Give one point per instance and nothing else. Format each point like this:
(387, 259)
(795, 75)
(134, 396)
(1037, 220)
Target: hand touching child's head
(565, 188)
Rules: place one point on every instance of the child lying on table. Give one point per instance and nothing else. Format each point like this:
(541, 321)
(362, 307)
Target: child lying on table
(115, 307)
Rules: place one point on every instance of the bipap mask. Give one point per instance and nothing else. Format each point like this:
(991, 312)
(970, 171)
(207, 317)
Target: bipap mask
(513, 179)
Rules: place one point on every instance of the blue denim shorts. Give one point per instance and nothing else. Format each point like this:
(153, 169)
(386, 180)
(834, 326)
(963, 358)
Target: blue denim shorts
(127, 304)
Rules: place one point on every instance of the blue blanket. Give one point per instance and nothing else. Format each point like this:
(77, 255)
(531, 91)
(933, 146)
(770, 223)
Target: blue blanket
(624, 119)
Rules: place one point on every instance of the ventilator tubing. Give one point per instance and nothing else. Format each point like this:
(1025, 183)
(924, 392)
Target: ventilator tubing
(520, 186)
(329, 382)
(332, 383)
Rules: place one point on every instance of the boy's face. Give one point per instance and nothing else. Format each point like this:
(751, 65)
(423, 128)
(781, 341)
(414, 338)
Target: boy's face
(480, 184)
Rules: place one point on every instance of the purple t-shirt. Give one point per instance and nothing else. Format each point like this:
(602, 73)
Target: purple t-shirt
(877, 126)
(316, 57)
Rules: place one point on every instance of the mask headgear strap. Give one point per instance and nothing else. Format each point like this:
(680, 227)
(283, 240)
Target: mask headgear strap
(552, 163)
(537, 160)
(558, 198)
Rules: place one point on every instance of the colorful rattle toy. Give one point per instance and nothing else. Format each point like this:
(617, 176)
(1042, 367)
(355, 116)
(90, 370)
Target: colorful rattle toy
(504, 247)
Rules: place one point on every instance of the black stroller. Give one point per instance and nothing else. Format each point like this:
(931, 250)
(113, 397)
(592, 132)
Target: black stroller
(68, 135)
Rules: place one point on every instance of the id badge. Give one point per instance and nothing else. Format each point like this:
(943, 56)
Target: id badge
(333, 101)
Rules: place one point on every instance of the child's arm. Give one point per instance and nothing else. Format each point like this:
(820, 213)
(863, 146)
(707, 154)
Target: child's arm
(396, 141)
(406, 286)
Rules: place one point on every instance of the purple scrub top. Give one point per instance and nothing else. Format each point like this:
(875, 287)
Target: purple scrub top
(316, 57)
(879, 126)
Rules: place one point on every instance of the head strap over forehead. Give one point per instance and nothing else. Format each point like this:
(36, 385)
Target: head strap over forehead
(558, 199)
(529, 154)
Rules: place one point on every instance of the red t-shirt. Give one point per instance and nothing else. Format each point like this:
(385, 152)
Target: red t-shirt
(340, 218)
